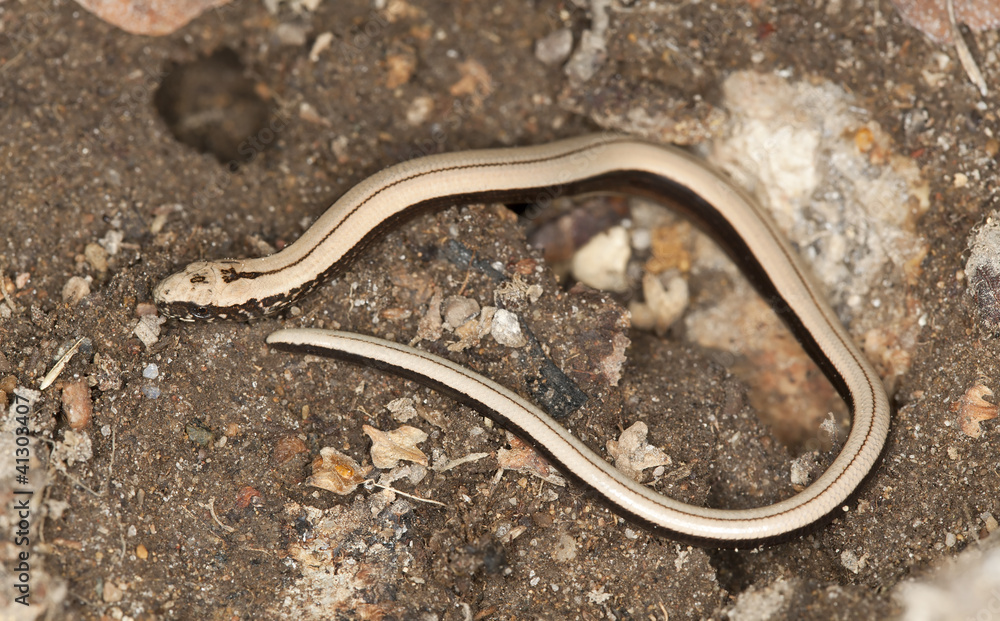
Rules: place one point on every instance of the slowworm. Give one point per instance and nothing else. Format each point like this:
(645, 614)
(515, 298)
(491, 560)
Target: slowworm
(233, 289)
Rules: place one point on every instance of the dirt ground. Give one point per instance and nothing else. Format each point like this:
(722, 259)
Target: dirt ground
(184, 495)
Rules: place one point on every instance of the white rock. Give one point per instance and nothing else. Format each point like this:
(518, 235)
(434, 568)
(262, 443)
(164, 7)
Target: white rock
(601, 262)
(507, 329)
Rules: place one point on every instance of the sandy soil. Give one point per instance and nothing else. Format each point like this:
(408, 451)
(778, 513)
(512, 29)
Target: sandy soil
(184, 496)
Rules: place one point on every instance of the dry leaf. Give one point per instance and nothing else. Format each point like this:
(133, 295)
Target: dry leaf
(473, 330)
(400, 68)
(972, 408)
(402, 409)
(288, 447)
(632, 455)
(335, 472)
(523, 458)
(429, 326)
(475, 81)
(245, 496)
(399, 444)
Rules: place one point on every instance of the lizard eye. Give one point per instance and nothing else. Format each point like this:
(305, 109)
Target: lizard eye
(201, 312)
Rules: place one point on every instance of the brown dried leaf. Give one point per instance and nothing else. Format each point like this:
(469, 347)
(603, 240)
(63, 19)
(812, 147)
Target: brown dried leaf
(245, 496)
(475, 82)
(473, 330)
(400, 68)
(402, 409)
(523, 458)
(336, 472)
(429, 327)
(389, 448)
(972, 409)
(288, 447)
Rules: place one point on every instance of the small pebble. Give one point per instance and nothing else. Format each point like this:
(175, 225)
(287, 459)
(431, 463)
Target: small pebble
(602, 261)
(151, 371)
(664, 305)
(148, 18)
(75, 289)
(77, 404)
(141, 552)
(144, 309)
(323, 42)
(400, 68)
(590, 55)
(457, 310)
(148, 329)
(8, 384)
(554, 48)
(419, 111)
(506, 329)
(151, 392)
(291, 34)
(199, 435)
(989, 521)
(112, 241)
(565, 548)
(96, 256)
(111, 593)
(339, 147)
(159, 221)
(309, 114)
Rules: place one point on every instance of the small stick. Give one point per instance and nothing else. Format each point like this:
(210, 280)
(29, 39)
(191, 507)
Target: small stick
(57, 369)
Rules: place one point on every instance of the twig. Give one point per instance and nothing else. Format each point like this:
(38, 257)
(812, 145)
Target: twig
(468, 273)
(59, 365)
(964, 55)
(393, 489)
(3, 289)
(197, 519)
(211, 509)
